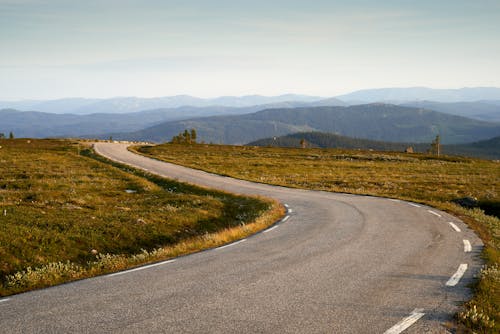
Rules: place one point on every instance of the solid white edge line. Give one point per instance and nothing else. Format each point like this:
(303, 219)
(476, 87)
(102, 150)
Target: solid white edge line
(406, 322)
(415, 205)
(270, 229)
(455, 227)
(141, 268)
(394, 200)
(4, 300)
(232, 244)
(467, 246)
(434, 213)
(457, 276)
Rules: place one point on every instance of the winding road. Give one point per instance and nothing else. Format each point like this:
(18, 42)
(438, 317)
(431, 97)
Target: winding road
(336, 263)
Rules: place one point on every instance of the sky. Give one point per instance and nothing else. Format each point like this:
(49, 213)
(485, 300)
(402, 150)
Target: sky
(61, 48)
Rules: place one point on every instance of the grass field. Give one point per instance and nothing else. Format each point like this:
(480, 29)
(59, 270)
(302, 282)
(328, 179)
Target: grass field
(415, 177)
(65, 216)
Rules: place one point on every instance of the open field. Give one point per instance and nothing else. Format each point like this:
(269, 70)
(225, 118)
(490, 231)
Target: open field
(68, 214)
(414, 177)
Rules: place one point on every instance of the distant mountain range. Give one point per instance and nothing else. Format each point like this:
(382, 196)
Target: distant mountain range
(484, 111)
(382, 122)
(471, 114)
(119, 105)
(83, 106)
(401, 95)
(488, 149)
(40, 124)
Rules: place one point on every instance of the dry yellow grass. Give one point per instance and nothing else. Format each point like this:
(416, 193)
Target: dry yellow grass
(65, 216)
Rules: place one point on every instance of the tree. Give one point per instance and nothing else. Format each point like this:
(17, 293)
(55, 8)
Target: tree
(185, 137)
(2, 135)
(436, 146)
(193, 135)
(11, 135)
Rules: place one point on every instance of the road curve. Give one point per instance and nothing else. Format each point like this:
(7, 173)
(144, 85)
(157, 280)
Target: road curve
(338, 264)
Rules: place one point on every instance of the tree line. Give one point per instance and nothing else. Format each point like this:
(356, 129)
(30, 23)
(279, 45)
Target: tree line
(11, 135)
(186, 137)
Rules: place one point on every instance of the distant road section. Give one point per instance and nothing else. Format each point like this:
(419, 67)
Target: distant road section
(336, 263)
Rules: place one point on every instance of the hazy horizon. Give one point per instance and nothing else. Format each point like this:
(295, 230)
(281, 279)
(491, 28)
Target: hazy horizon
(234, 96)
(55, 49)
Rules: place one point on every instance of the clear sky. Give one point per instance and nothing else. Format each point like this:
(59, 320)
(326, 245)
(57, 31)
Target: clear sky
(207, 48)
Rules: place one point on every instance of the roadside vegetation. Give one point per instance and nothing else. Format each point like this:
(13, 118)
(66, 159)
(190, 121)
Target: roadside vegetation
(427, 179)
(67, 213)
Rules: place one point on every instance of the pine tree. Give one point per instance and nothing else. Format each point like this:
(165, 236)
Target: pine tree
(185, 137)
(193, 135)
(436, 146)
(11, 135)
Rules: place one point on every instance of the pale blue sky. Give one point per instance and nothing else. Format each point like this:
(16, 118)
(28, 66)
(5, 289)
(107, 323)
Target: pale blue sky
(62, 48)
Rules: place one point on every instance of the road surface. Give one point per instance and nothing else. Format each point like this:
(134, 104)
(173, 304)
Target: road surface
(336, 263)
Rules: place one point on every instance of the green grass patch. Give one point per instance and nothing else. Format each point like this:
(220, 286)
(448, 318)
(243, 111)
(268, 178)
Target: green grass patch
(66, 213)
(414, 177)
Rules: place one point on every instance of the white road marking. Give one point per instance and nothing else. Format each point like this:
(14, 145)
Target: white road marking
(286, 206)
(285, 219)
(415, 205)
(394, 200)
(4, 300)
(290, 210)
(270, 229)
(406, 322)
(458, 275)
(434, 213)
(141, 268)
(234, 243)
(467, 246)
(455, 227)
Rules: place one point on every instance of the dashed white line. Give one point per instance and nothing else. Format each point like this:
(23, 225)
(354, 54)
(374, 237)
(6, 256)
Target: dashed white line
(457, 276)
(415, 205)
(394, 200)
(4, 300)
(406, 322)
(270, 229)
(467, 246)
(434, 213)
(285, 219)
(455, 227)
(290, 210)
(141, 268)
(234, 243)
(286, 206)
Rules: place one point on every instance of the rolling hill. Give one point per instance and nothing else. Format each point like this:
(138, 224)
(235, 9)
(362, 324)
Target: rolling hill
(383, 122)
(484, 111)
(41, 125)
(330, 140)
(488, 149)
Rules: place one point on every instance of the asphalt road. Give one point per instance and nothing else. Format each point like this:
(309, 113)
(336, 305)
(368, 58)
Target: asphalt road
(338, 264)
